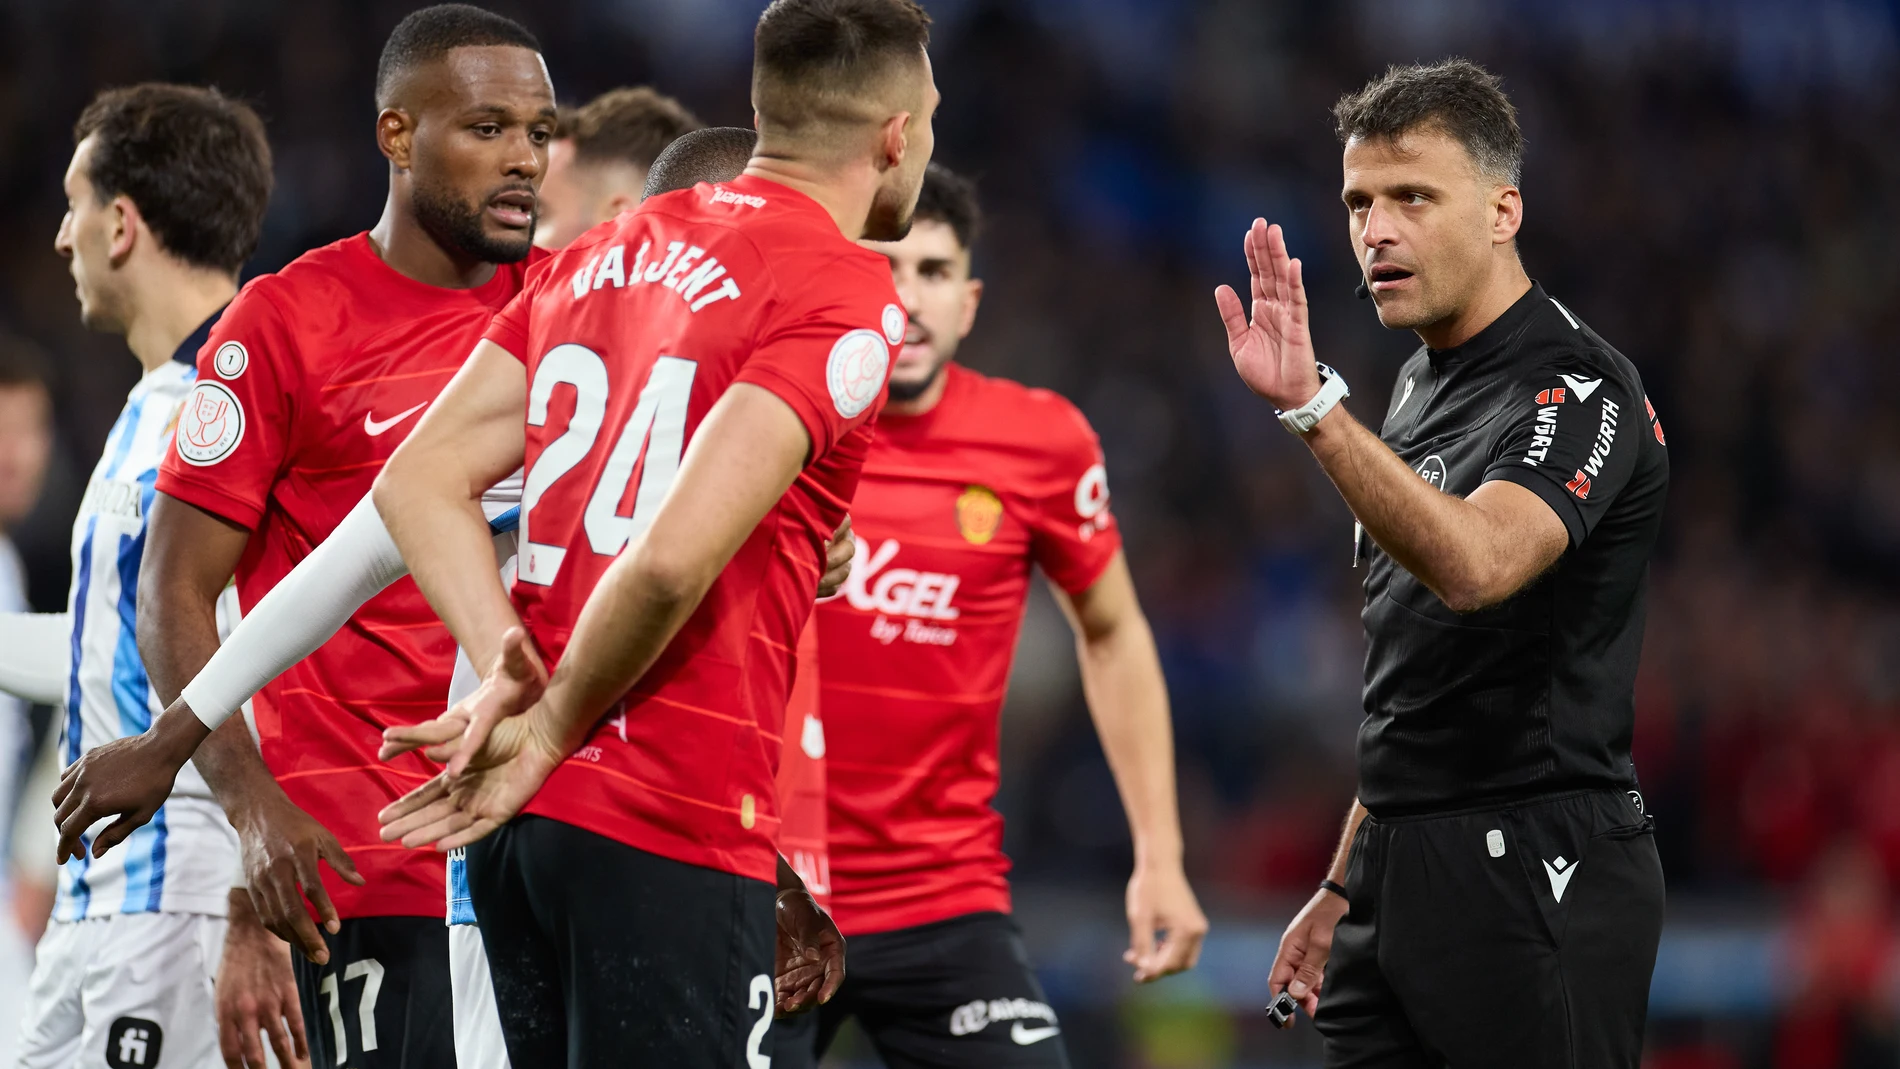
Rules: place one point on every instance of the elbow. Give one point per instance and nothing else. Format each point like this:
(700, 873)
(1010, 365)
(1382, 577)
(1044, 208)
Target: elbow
(672, 580)
(1474, 586)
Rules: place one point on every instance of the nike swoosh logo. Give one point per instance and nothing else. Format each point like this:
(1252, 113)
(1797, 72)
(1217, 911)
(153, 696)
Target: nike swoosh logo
(372, 427)
(1025, 1036)
(1583, 387)
(1560, 880)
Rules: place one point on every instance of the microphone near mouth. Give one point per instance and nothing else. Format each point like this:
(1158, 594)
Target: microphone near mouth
(1362, 291)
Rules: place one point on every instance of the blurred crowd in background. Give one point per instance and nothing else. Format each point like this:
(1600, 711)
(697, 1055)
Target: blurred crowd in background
(1706, 184)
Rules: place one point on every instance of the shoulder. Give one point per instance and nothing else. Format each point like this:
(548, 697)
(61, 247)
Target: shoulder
(312, 284)
(1560, 347)
(1044, 428)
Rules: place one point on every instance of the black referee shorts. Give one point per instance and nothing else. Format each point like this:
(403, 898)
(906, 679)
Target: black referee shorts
(604, 955)
(1516, 938)
(955, 994)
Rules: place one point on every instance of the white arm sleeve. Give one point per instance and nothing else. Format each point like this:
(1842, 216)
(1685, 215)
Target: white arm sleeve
(36, 655)
(300, 613)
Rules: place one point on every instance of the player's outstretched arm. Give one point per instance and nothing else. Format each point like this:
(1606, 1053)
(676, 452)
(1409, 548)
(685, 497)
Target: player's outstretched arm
(1128, 699)
(36, 655)
(742, 459)
(1472, 551)
(430, 497)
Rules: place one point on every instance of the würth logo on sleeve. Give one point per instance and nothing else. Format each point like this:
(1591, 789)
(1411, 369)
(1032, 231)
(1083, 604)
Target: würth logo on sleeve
(211, 425)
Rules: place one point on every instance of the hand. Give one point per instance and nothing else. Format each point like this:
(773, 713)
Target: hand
(515, 681)
(257, 993)
(810, 956)
(128, 778)
(1300, 966)
(512, 763)
(281, 846)
(1273, 352)
(839, 553)
(1159, 899)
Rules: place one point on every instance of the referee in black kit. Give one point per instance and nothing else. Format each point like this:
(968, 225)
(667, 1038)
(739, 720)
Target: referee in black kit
(1497, 899)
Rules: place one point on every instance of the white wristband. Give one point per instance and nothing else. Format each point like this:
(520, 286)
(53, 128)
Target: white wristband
(1332, 390)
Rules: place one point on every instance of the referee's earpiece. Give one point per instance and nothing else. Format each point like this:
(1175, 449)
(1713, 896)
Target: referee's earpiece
(1361, 291)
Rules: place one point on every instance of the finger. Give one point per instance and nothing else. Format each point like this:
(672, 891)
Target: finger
(476, 732)
(834, 976)
(311, 881)
(115, 832)
(230, 1045)
(290, 921)
(1297, 283)
(1141, 941)
(292, 1014)
(475, 832)
(1232, 314)
(1306, 980)
(72, 841)
(250, 1048)
(280, 1042)
(456, 820)
(68, 777)
(1256, 265)
(330, 850)
(428, 816)
(403, 739)
(425, 795)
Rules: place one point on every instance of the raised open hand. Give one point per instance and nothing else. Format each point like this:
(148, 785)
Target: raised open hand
(1272, 350)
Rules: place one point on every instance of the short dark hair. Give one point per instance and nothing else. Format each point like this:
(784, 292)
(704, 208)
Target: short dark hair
(626, 126)
(427, 34)
(950, 199)
(1455, 95)
(713, 154)
(809, 53)
(195, 162)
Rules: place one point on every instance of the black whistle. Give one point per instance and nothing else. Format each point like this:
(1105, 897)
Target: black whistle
(1281, 1011)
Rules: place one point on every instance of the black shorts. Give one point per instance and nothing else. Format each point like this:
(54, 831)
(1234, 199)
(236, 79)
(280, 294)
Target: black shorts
(602, 954)
(956, 994)
(383, 1001)
(1516, 937)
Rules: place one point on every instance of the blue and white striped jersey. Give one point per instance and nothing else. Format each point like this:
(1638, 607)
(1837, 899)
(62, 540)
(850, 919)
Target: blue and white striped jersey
(181, 861)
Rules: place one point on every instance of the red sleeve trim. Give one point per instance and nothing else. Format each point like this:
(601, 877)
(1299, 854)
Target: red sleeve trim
(790, 391)
(223, 505)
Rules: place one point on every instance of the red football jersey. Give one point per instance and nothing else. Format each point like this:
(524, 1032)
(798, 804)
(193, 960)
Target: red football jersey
(630, 335)
(308, 383)
(953, 508)
(801, 776)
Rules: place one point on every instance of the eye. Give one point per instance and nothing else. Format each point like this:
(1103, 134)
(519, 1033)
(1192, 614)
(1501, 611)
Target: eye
(1412, 200)
(487, 129)
(934, 271)
(540, 135)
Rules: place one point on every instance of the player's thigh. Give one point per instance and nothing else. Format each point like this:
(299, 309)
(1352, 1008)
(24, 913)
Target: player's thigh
(383, 999)
(478, 1039)
(793, 1042)
(1360, 1018)
(55, 1014)
(523, 964)
(148, 994)
(690, 946)
(959, 994)
(1609, 945)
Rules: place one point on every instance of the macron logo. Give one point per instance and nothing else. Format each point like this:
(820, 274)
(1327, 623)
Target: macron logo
(722, 195)
(1560, 872)
(1583, 387)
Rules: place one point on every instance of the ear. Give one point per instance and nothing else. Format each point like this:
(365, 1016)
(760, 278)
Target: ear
(125, 222)
(395, 136)
(969, 308)
(620, 202)
(1507, 214)
(893, 141)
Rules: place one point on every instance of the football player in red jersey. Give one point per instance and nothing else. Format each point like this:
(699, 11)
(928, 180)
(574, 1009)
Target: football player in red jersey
(699, 378)
(972, 482)
(312, 378)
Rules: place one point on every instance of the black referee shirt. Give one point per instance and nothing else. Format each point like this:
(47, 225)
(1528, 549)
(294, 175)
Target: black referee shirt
(1535, 694)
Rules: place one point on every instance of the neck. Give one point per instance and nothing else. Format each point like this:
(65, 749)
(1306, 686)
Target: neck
(1507, 285)
(923, 402)
(176, 302)
(404, 245)
(844, 194)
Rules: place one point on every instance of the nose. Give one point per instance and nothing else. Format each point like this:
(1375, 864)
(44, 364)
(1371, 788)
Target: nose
(1380, 229)
(525, 158)
(906, 283)
(63, 240)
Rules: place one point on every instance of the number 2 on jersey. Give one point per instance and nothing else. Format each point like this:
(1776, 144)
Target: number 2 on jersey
(656, 427)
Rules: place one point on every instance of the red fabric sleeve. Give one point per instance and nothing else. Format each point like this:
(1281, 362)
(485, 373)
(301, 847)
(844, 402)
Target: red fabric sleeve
(1073, 534)
(826, 354)
(509, 328)
(233, 435)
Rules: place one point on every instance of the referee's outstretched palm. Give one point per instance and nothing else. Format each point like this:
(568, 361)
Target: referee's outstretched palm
(1272, 351)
